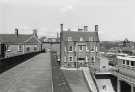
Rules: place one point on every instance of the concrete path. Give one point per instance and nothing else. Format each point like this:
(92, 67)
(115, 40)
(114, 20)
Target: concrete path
(76, 80)
(34, 75)
(105, 85)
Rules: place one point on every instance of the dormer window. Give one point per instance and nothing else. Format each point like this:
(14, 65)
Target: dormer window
(69, 38)
(81, 38)
(91, 38)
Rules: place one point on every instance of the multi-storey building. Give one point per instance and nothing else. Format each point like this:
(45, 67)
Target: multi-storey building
(78, 48)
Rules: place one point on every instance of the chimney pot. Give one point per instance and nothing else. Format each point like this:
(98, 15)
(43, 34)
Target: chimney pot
(16, 32)
(35, 32)
(61, 27)
(96, 28)
(80, 30)
(85, 28)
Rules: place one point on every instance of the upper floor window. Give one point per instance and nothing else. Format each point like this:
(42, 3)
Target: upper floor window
(81, 38)
(69, 38)
(70, 48)
(132, 63)
(123, 61)
(80, 47)
(127, 62)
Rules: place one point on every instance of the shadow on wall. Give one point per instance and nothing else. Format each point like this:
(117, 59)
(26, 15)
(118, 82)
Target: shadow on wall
(7, 63)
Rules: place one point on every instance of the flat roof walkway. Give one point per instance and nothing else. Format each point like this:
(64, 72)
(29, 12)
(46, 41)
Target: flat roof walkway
(33, 75)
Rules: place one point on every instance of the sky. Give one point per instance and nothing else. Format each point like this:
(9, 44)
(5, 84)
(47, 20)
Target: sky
(116, 18)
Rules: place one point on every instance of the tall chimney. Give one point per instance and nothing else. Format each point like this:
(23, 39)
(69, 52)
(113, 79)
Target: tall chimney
(96, 28)
(16, 32)
(61, 27)
(35, 32)
(85, 28)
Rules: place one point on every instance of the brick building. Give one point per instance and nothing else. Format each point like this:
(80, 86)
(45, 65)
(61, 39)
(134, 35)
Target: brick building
(78, 48)
(14, 44)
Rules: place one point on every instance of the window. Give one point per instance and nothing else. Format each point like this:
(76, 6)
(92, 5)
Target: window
(127, 62)
(35, 47)
(65, 49)
(19, 47)
(81, 38)
(87, 49)
(123, 61)
(81, 47)
(132, 63)
(28, 48)
(65, 59)
(70, 48)
(69, 38)
(70, 58)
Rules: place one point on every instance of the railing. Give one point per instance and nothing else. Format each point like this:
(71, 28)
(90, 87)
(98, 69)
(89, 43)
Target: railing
(123, 76)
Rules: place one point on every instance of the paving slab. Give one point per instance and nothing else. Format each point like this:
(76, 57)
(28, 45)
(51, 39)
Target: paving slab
(33, 75)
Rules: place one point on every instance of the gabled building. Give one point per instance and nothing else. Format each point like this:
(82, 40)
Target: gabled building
(14, 44)
(78, 48)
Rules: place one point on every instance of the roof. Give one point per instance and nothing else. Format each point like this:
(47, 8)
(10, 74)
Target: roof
(76, 35)
(33, 40)
(14, 39)
(131, 58)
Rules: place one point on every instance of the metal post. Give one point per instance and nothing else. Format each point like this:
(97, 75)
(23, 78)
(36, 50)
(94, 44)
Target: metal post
(132, 88)
(118, 85)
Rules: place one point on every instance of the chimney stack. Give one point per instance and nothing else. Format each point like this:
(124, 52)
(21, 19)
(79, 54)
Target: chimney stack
(80, 30)
(96, 28)
(35, 32)
(85, 28)
(61, 27)
(16, 32)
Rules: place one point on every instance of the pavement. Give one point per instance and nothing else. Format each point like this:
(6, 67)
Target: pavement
(76, 80)
(33, 75)
(105, 85)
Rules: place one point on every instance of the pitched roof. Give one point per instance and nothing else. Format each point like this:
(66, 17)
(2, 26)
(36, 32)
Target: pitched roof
(76, 35)
(33, 40)
(14, 39)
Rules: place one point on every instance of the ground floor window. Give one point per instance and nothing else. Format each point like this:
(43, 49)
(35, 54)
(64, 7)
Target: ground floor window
(19, 47)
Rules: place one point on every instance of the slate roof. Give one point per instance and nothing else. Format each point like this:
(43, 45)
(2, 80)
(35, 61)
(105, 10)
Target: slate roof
(14, 39)
(76, 35)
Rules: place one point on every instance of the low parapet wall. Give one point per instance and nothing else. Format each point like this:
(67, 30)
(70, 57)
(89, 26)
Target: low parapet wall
(9, 62)
(89, 80)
